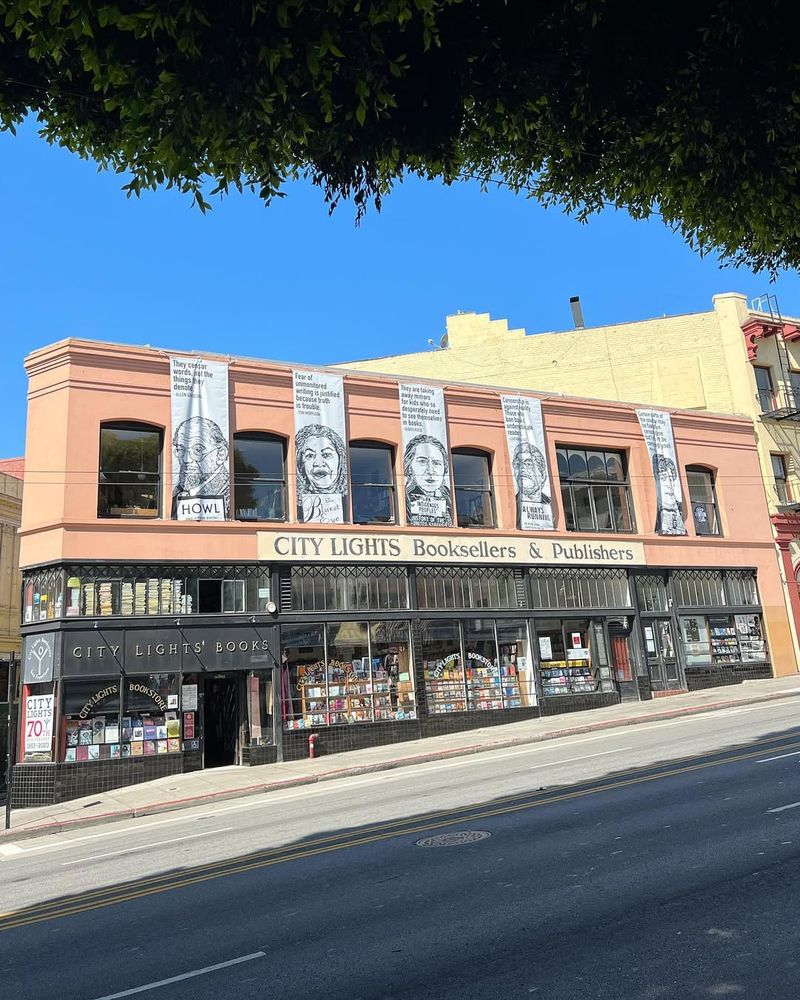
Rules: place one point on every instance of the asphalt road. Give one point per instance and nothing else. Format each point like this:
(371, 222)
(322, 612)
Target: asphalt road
(656, 861)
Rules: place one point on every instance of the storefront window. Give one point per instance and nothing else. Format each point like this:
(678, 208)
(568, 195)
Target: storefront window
(565, 658)
(484, 690)
(723, 640)
(333, 588)
(698, 588)
(91, 720)
(43, 597)
(442, 667)
(392, 671)
(479, 587)
(346, 673)
(580, 588)
(516, 663)
(150, 719)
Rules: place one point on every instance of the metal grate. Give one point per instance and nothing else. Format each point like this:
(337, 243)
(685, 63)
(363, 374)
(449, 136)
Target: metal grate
(444, 588)
(349, 588)
(580, 588)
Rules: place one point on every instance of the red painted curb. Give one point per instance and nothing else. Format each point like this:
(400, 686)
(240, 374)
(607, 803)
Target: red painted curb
(64, 826)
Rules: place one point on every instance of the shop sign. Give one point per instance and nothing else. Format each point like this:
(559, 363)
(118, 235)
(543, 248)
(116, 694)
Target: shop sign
(38, 658)
(496, 550)
(38, 723)
(239, 648)
(91, 652)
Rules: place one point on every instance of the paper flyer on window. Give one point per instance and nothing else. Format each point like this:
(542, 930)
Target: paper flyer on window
(201, 481)
(320, 450)
(657, 431)
(426, 460)
(522, 416)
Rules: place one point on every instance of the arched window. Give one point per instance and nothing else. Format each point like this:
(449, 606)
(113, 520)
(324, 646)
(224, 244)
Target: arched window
(472, 477)
(130, 470)
(259, 477)
(372, 482)
(702, 500)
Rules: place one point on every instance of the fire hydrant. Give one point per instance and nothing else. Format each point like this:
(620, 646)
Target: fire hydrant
(312, 743)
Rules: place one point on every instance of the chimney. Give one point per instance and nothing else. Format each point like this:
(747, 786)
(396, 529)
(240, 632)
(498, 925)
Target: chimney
(577, 312)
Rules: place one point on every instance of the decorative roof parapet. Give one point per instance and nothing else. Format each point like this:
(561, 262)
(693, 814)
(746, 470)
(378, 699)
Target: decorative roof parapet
(762, 326)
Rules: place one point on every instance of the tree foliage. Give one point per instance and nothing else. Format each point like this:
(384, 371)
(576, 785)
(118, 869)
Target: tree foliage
(689, 108)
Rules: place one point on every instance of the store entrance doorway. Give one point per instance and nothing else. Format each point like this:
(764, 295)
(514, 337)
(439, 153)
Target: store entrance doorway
(221, 720)
(662, 659)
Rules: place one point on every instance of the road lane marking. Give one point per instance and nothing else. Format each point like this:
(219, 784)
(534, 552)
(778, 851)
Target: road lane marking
(185, 975)
(569, 760)
(144, 847)
(779, 809)
(765, 760)
(387, 831)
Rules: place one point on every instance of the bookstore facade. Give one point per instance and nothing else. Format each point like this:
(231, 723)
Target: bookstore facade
(509, 561)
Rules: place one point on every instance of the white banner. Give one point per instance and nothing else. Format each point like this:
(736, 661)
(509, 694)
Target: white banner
(426, 460)
(38, 723)
(522, 416)
(201, 480)
(657, 430)
(320, 449)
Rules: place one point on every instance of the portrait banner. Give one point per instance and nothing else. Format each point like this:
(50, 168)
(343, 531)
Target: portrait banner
(657, 431)
(201, 479)
(320, 450)
(426, 460)
(522, 416)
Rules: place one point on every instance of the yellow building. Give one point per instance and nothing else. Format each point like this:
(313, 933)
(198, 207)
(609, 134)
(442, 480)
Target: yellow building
(735, 358)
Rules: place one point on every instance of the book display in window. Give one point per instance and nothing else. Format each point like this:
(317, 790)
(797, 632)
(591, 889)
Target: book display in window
(724, 644)
(444, 685)
(569, 677)
(514, 695)
(484, 688)
(752, 646)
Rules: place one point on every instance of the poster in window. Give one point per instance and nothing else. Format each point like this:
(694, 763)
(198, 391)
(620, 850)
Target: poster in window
(522, 416)
(38, 723)
(426, 461)
(656, 428)
(201, 482)
(545, 648)
(320, 451)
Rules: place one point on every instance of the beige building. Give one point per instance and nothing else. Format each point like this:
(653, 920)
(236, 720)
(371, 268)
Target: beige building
(10, 583)
(735, 358)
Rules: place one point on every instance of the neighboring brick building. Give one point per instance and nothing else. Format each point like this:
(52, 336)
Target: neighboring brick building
(733, 359)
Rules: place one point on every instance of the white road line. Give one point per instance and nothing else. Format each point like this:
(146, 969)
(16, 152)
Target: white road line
(186, 975)
(9, 849)
(145, 847)
(569, 760)
(779, 809)
(765, 760)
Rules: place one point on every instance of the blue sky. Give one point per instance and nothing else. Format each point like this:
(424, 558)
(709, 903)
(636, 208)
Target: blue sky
(78, 258)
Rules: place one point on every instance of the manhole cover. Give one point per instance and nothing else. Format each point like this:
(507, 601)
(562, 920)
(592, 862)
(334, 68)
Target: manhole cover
(454, 839)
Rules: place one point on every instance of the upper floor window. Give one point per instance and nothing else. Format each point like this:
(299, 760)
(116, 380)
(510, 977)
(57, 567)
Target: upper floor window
(703, 500)
(594, 490)
(259, 477)
(472, 476)
(130, 471)
(781, 478)
(793, 389)
(765, 390)
(372, 480)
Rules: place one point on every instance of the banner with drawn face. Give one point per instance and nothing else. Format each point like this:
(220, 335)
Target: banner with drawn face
(426, 460)
(320, 451)
(657, 430)
(201, 481)
(522, 416)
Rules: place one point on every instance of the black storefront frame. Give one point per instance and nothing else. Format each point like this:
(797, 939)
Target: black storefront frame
(287, 747)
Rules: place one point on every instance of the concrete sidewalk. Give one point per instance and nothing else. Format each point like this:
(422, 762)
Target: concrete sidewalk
(184, 790)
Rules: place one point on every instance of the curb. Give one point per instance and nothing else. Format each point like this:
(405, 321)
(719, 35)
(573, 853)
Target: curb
(65, 826)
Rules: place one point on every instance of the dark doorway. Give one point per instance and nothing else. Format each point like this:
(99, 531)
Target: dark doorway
(221, 720)
(662, 661)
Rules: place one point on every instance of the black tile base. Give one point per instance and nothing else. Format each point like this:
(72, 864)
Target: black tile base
(700, 678)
